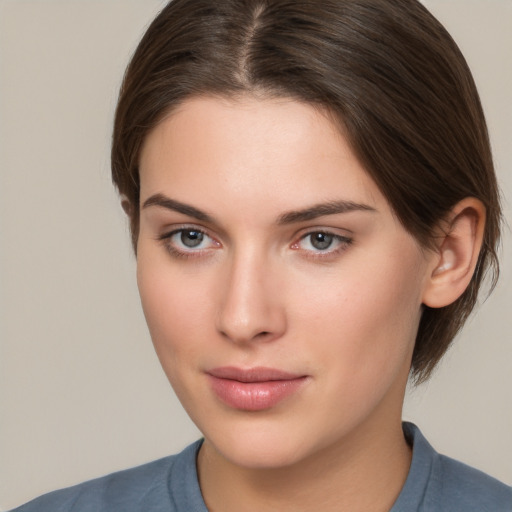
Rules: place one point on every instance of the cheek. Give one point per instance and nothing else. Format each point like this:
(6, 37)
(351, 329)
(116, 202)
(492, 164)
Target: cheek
(174, 305)
(365, 318)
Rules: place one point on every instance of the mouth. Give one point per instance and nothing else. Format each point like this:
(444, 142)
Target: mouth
(254, 389)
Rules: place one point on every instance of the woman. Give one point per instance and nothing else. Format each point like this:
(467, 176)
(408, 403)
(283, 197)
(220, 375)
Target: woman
(313, 208)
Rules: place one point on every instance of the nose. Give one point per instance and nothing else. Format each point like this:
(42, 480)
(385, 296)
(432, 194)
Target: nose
(252, 306)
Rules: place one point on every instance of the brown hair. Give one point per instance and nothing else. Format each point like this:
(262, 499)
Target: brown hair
(386, 69)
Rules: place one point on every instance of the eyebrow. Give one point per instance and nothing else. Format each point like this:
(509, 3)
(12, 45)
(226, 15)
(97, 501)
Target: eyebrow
(321, 209)
(291, 217)
(177, 206)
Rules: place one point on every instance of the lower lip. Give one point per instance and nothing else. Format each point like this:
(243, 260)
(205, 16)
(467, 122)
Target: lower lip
(254, 396)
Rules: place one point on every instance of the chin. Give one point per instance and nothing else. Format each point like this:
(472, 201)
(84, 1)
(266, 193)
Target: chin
(262, 454)
(264, 444)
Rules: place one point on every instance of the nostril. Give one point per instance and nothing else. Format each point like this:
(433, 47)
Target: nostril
(263, 335)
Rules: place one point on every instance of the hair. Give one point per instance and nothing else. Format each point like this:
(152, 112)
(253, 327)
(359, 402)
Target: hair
(386, 70)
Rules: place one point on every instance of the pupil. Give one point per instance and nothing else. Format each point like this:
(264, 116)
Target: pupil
(321, 241)
(191, 238)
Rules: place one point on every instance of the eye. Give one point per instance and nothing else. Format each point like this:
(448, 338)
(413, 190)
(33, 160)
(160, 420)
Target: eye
(322, 242)
(188, 241)
(189, 238)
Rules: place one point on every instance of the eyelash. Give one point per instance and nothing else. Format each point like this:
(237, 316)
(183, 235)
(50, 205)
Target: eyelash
(343, 243)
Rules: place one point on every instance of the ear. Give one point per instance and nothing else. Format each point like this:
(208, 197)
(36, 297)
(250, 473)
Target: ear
(453, 264)
(126, 205)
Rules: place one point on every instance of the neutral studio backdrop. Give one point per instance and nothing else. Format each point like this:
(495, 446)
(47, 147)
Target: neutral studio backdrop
(81, 391)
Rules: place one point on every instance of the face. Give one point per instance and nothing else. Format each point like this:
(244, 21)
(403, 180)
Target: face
(281, 293)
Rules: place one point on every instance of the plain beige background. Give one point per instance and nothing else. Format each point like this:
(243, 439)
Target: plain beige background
(81, 391)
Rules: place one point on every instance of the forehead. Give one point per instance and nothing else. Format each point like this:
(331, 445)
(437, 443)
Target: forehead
(277, 152)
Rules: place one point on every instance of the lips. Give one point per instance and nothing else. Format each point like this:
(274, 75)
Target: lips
(253, 389)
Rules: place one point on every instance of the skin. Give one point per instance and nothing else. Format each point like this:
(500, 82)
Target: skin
(258, 292)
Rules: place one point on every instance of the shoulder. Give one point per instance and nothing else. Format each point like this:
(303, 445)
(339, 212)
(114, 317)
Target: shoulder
(142, 488)
(440, 483)
(462, 487)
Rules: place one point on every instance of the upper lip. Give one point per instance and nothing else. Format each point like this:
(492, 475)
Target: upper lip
(255, 374)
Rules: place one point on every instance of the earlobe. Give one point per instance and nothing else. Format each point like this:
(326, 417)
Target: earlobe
(453, 264)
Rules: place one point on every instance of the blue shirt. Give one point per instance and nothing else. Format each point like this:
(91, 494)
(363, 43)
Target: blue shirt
(435, 483)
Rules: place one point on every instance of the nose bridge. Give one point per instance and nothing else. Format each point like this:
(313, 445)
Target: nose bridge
(250, 307)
